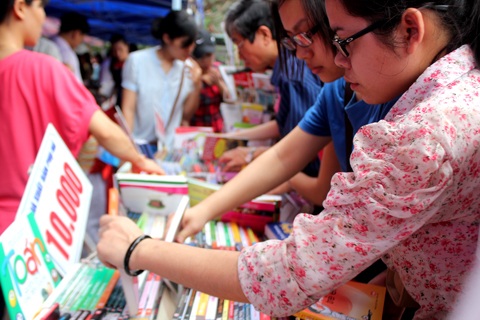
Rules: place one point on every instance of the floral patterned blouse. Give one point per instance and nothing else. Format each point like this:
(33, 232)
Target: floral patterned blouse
(412, 199)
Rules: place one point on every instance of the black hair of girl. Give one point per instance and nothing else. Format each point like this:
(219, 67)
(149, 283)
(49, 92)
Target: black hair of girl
(7, 6)
(176, 24)
(316, 15)
(460, 18)
(246, 16)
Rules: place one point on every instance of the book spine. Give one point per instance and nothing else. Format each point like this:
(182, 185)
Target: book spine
(75, 287)
(228, 243)
(190, 305)
(202, 306)
(180, 304)
(243, 236)
(235, 310)
(101, 288)
(79, 289)
(158, 300)
(255, 314)
(97, 283)
(214, 235)
(211, 312)
(208, 236)
(236, 236)
(231, 310)
(252, 235)
(219, 314)
(152, 296)
(145, 293)
(66, 285)
(263, 316)
(196, 302)
(108, 290)
(113, 202)
(226, 307)
(188, 299)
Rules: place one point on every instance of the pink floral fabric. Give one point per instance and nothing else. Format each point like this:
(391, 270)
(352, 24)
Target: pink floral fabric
(412, 199)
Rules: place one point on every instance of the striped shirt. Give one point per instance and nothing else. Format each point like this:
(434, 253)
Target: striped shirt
(298, 93)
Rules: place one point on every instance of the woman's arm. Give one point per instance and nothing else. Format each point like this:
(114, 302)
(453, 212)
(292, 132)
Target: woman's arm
(129, 105)
(316, 189)
(191, 103)
(193, 99)
(191, 267)
(114, 140)
(264, 131)
(272, 168)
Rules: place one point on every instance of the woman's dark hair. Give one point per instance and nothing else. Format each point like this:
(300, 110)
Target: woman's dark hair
(316, 15)
(176, 24)
(461, 18)
(7, 5)
(116, 37)
(246, 16)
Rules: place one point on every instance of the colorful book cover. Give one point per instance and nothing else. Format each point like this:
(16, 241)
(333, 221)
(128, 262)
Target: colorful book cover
(199, 190)
(352, 301)
(190, 138)
(152, 194)
(215, 146)
(278, 230)
(58, 193)
(28, 274)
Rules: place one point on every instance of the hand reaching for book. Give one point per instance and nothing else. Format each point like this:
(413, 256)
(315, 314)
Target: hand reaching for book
(234, 159)
(116, 234)
(147, 165)
(192, 223)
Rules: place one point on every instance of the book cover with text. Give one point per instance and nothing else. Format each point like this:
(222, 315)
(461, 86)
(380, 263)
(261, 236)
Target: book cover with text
(351, 301)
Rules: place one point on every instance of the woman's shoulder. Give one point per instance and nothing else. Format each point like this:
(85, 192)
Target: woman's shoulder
(31, 61)
(143, 54)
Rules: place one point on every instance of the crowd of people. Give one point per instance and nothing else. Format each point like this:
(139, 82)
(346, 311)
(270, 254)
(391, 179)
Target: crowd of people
(389, 90)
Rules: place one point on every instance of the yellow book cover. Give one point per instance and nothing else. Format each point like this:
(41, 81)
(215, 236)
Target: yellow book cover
(352, 301)
(202, 306)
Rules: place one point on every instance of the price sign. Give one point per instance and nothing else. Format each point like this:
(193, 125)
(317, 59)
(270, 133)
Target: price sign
(59, 194)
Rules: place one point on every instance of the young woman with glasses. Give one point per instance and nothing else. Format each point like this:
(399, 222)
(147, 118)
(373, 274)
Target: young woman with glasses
(412, 195)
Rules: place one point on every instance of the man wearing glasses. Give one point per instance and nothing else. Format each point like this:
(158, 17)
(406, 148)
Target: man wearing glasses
(250, 26)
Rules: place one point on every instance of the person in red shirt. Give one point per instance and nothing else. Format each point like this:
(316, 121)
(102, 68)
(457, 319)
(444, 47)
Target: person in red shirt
(37, 90)
(208, 112)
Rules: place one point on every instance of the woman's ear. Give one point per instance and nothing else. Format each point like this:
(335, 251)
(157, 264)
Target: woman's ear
(266, 35)
(411, 29)
(19, 7)
(166, 39)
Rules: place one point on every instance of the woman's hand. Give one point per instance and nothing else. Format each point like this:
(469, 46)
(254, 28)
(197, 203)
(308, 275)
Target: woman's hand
(234, 159)
(192, 223)
(146, 165)
(116, 235)
(195, 73)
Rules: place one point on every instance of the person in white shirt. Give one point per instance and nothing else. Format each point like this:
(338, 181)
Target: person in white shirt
(157, 79)
(73, 28)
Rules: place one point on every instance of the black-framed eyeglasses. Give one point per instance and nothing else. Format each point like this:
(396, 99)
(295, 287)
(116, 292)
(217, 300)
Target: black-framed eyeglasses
(341, 44)
(303, 39)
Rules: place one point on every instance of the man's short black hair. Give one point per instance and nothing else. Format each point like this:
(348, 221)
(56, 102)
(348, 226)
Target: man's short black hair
(246, 16)
(74, 21)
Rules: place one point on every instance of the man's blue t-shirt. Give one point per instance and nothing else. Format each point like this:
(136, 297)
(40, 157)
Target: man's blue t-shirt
(298, 93)
(327, 117)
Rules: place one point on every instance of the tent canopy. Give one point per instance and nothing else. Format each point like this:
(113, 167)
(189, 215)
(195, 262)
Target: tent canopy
(132, 18)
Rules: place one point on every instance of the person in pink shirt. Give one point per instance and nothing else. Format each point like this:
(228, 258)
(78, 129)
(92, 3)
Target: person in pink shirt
(37, 90)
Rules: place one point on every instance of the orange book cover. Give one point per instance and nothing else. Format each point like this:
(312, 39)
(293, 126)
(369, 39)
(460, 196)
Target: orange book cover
(108, 290)
(113, 202)
(352, 301)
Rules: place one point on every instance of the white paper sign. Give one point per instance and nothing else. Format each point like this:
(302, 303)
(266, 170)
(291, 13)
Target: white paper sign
(59, 194)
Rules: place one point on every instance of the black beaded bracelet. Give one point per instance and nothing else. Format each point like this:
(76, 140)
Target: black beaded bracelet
(126, 261)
